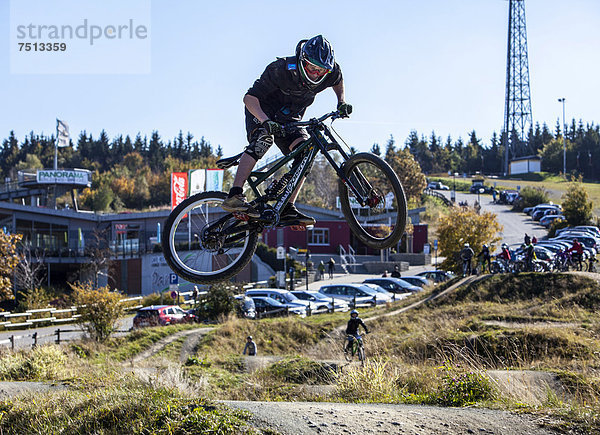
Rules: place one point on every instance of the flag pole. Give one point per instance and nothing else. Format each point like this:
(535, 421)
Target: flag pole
(56, 148)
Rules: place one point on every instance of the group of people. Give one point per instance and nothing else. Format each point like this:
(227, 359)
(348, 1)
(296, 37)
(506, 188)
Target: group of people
(395, 273)
(330, 268)
(528, 248)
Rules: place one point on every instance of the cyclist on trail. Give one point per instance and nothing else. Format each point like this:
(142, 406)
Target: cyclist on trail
(486, 257)
(466, 254)
(577, 253)
(352, 329)
(281, 95)
(250, 347)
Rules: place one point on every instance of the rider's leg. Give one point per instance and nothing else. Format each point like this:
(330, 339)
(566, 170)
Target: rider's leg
(290, 212)
(244, 169)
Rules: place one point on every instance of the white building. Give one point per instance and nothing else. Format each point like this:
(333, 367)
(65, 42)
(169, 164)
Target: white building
(526, 164)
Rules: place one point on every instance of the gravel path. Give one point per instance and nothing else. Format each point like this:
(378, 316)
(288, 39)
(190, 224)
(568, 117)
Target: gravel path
(344, 418)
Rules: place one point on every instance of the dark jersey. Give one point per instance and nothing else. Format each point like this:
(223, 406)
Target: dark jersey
(353, 324)
(282, 94)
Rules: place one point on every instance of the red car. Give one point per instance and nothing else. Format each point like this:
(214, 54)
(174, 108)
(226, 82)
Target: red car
(156, 315)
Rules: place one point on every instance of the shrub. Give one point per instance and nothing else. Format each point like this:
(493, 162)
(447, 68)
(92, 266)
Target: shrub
(373, 382)
(460, 389)
(42, 363)
(100, 309)
(557, 224)
(218, 301)
(155, 299)
(530, 197)
(577, 206)
(34, 298)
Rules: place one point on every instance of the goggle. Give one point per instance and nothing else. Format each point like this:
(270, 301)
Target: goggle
(313, 69)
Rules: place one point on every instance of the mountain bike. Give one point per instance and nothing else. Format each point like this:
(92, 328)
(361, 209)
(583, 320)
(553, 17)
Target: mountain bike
(356, 348)
(204, 244)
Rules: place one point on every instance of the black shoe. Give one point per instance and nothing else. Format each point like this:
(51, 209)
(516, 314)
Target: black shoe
(291, 215)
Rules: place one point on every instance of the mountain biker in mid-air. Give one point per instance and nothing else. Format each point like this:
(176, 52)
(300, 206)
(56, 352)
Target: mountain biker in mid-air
(352, 329)
(281, 95)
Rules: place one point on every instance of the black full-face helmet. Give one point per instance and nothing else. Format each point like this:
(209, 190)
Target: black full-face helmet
(315, 60)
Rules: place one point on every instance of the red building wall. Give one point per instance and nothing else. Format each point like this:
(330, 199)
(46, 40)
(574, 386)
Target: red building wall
(339, 234)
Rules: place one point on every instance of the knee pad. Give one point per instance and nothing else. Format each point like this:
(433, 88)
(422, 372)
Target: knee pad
(259, 146)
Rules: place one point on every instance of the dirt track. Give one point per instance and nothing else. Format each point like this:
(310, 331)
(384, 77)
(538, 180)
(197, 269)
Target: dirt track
(345, 418)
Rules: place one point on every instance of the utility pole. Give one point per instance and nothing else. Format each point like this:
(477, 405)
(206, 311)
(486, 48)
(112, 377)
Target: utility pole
(562, 100)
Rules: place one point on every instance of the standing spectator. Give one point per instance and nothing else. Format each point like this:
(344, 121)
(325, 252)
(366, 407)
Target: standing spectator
(466, 254)
(331, 266)
(250, 347)
(577, 251)
(195, 294)
(321, 270)
(494, 196)
(486, 257)
(292, 272)
(396, 272)
(385, 274)
(534, 240)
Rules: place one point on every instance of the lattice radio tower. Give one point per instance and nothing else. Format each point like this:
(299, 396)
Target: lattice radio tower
(517, 112)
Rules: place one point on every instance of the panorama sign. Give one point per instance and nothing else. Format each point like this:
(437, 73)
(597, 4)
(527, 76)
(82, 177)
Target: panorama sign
(62, 176)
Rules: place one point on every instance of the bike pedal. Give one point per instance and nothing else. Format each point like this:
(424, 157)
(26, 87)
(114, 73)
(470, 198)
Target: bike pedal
(241, 216)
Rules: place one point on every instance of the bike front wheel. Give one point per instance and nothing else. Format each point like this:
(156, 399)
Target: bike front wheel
(376, 209)
(204, 244)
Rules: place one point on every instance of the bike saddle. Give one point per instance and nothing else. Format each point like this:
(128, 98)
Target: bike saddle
(228, 162)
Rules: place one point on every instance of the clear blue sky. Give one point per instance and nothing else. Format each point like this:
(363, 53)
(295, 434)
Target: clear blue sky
(425, 65)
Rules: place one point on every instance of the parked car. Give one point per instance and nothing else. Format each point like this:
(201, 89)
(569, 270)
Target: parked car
(546, 206)
(394, 285)
(282, 296)
(156, 315)
(544, 211)
(269, 307)
(547, 220)
(379, 289)
(348, 292)
(437, 185)
(586, 228)
(419, 281)
(437, 276)
(320, 301)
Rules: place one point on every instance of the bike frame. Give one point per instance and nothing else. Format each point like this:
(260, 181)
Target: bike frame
(320, 139)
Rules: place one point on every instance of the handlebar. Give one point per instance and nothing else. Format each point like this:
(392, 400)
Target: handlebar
(313, 121)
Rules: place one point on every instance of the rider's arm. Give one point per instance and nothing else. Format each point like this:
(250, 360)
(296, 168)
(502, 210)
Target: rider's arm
(339, 91)
(364, 326)
(253, 105)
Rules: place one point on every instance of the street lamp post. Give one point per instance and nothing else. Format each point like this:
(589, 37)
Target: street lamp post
(562, 100)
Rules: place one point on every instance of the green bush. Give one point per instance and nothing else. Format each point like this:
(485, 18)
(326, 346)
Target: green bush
(42, 363)
(100, 309)
(530, 197)
(557, 224)
(460, 389)
(577, 206)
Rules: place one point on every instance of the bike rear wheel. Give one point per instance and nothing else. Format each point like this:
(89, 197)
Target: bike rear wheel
(379, 223)
(204, 244)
